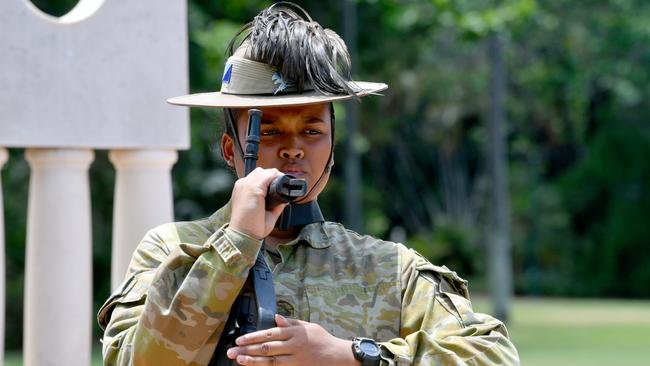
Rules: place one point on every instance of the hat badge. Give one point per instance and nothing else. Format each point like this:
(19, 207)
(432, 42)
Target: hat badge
(227, 73)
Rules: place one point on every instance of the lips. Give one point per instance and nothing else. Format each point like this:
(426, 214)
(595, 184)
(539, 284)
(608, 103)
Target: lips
(294, 170)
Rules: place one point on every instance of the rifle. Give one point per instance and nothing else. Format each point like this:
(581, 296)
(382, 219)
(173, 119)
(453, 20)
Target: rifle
(255, 307)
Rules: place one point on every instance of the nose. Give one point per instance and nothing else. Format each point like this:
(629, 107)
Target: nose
(292, 153)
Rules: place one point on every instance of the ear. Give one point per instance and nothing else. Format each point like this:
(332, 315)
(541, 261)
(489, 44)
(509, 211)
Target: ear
(330, 164)
(227, 149)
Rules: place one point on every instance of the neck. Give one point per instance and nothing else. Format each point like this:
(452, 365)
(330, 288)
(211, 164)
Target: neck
(293, 219)
(278, 237)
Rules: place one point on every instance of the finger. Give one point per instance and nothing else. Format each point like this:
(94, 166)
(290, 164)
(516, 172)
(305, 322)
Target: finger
(232, 353)
(263, 177)
(258, 181)
(272, 217)
(277, 210)
(273, 348)
(266, 361)
(281, 321)
(272, 334)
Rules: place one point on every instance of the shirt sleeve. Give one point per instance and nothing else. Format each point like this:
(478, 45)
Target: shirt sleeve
(174, 304)
(438, 325)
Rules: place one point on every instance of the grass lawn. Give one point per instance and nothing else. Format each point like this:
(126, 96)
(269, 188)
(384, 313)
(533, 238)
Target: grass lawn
(579, 332)
(560, 332)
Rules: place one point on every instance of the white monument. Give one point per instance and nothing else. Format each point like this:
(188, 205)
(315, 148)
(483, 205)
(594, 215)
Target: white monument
(96, 78)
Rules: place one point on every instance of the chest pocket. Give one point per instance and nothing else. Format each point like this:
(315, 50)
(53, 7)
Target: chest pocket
(353, 310)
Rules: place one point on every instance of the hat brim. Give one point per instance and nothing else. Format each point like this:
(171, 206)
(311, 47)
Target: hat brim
(222, 100)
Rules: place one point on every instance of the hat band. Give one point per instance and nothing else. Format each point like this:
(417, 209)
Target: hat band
(244, 76)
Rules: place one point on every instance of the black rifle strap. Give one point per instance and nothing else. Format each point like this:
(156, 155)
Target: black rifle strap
(299, 214)
(264, 292)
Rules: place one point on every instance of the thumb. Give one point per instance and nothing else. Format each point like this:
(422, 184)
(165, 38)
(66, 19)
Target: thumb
(273, 215)
(281, 321)
(277, 210)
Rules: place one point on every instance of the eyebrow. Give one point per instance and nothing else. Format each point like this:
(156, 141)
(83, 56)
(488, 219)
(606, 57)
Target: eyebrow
(312, 119)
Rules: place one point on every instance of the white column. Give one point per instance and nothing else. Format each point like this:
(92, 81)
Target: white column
(3, 159)
(58, 271)
(143, 200)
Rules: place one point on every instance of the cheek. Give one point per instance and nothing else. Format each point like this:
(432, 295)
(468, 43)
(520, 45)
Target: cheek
(267, 154)
(323, 149)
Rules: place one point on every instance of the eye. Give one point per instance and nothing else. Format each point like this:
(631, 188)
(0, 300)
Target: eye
(312, 132)
(269, 132)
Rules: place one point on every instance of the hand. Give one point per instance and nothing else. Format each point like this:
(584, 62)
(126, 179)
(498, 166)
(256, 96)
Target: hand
(249, 214)
(292, 342)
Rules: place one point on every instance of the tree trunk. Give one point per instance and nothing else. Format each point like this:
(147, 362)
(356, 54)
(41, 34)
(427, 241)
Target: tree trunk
(500, 262)
(353, 214)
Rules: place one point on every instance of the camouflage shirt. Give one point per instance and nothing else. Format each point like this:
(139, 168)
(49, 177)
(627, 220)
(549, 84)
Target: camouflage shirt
(184, 277)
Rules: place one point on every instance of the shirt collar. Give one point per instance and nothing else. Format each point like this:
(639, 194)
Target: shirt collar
(314, 234)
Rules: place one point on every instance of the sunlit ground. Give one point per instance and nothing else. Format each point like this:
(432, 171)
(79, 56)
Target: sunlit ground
(561, 332)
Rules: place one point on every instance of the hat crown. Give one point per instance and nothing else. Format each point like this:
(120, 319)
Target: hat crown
(302, 53)
(246, 77)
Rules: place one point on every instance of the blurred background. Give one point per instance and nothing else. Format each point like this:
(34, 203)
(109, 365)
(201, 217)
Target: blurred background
(576, 152)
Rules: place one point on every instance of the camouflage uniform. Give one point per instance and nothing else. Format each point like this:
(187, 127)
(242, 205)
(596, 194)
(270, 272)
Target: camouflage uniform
(184, 277)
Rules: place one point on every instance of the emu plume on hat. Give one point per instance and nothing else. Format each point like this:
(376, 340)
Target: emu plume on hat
(284, 60)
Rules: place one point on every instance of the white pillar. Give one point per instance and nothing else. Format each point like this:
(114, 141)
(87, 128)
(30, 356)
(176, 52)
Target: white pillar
(58, 270)
(3, 159)
(143, 200)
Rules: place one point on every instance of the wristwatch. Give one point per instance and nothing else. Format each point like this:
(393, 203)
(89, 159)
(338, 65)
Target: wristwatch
(366, 351)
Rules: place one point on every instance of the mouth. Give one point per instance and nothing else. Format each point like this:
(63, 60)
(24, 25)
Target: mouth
(294, 171)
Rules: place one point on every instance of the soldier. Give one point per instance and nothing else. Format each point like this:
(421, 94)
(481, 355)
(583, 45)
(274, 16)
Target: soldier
(342, 298)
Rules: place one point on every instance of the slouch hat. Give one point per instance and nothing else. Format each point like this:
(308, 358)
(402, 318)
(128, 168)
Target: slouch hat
(283, 59)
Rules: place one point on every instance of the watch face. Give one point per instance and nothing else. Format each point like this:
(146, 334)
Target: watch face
(369, 348)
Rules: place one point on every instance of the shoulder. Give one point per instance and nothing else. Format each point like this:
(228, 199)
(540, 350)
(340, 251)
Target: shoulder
(410, 264)
(362, 255)
(198, 231)
(340, 236)
(163, 239)
(416, 266)
(183, 231)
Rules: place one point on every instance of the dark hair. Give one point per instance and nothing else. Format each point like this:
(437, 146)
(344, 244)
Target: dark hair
(298, 47)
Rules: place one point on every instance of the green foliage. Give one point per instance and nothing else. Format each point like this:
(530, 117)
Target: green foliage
(608, 198)
(452, 245)
(579, 148)
(478, 18)
(15, 175)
